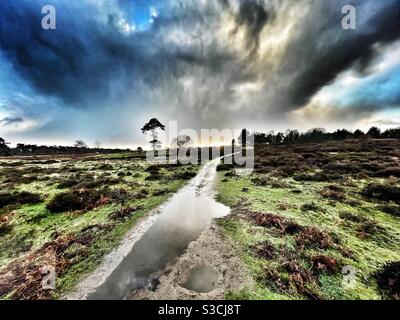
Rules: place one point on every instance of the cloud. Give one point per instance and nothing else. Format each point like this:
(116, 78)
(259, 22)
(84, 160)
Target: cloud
(8, 121)
(386, 122)
(206, 63)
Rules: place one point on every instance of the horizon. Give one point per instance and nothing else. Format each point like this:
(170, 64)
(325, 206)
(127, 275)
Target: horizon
(147, 147)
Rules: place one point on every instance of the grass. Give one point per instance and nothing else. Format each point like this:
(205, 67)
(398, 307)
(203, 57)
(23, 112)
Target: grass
(74, 241)
(363, 236)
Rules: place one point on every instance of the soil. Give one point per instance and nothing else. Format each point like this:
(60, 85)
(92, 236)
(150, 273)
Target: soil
(211, 256)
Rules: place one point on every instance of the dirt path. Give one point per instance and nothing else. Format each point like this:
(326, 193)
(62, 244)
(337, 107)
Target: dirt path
(157, 242)
(209, 269)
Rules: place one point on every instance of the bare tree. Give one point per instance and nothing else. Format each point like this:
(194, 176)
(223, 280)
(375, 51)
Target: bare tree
(182, 141)
(80, 144)
(97, 144)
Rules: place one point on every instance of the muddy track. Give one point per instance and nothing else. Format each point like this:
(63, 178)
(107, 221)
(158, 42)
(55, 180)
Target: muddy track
(208, 270)
(160, 243)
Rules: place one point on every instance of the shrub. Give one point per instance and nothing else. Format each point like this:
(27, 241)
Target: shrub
(230, 174)
(310, 207)
(6, 199)
(352, 217)
(387, 172)
(25, 197)
(368, 228)
(153, 169)
(324, 263)
(84, 199)
(261, 180)
(287, 171)
(19, 198)
(318, 177)
(98, 183)
(159, 193)
(388, 279)
(314, 238)
(68, 183)
(341, 168)
(268, 220)
(154, 176)
(293, 228)
(124, 213)
(333, 192)
(266, 251)
(105, 167)
(186, 175)
(393, 210)
(382, 192)
(298, 274)
(66, 201)
(5, 228)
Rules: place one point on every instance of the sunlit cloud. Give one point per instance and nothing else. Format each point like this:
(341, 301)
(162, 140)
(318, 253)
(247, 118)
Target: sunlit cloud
(111, 65)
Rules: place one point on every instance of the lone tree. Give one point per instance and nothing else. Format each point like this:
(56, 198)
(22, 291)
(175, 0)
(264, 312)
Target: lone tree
(182, 141)
(152, 126)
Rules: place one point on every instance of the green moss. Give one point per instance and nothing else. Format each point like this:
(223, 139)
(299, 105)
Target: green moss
(368, 254)
(33, 226)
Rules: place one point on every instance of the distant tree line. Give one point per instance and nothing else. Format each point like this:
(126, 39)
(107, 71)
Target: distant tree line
(320, 135)
(32, 149)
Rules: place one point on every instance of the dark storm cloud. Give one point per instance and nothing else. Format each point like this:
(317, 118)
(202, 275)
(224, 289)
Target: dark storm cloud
(253, 16)
(192, 61)
(80, 62)
(324, 49)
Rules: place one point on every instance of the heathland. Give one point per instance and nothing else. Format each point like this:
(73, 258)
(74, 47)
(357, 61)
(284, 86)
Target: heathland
(69, 212)
(318, 221)
(313, 221)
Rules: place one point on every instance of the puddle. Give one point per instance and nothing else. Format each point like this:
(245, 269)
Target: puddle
(203, 278)
(182, 220)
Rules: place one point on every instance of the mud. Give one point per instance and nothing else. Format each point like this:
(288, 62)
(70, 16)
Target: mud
(157, 243)
(211, 262)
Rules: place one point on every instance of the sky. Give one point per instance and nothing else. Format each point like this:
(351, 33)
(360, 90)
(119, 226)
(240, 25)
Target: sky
(111, 65)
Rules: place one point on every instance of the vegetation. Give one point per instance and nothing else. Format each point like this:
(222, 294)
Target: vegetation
(311, 211)
(316, 205)
(33, 150)
(69, 212)
(318, 135)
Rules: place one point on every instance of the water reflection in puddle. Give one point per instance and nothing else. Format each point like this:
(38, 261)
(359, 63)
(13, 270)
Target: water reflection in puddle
(182, 221)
